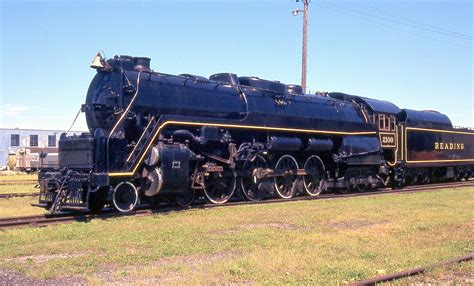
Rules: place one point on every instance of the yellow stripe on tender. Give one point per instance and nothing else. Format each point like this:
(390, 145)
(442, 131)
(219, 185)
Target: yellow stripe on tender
(440, 130)
(311, 131)
(442, 161)
(434, 130)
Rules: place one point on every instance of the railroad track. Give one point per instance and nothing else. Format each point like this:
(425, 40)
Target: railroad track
(17, 195)
(13, 195)
(44, 220)
(412, 272)
(410, 189)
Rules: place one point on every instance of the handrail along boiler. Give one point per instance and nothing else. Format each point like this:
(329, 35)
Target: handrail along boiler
(155, 137)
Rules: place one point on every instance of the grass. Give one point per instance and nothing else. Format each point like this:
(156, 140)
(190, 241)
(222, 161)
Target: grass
(7, 189)
(19, 207)
(18, 177)
(307, 242)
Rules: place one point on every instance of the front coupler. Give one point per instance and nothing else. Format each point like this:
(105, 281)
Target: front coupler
(71, 190)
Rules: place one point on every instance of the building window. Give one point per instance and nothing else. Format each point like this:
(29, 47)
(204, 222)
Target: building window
(51, 140)
(34, 140)
(15, 140)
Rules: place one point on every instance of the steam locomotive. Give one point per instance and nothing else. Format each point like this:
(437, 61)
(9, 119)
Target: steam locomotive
(155, 137)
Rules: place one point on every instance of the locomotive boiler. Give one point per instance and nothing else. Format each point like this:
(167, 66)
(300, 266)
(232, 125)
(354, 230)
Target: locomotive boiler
(155, 137)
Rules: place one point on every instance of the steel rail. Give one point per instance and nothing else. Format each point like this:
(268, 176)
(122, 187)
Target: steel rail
(43, 220)
(415, 189)
(13, 195)
(412, 272)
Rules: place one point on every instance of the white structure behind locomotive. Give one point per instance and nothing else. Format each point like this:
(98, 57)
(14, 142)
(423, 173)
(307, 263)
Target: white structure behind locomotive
(28, 160)
(24, 146)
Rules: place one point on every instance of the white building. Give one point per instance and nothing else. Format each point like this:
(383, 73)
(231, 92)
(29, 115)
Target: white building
(33, 139)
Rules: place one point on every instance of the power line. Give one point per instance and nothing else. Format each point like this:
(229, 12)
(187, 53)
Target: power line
(396, 21)
(357, 15)
(429, 26)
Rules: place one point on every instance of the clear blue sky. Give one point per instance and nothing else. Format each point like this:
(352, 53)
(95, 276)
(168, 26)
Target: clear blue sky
(46, 48)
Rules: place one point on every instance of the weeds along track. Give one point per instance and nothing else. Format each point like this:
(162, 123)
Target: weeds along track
(44, 220)
(18, 195)
(18, 182)
(413, 271)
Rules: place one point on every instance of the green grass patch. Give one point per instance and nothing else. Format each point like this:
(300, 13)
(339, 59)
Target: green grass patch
(18, 177)
(8, 189)
(20, 206)
(306, 242)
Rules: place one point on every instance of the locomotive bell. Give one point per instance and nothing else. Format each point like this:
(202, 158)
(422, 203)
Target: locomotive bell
(141, 64)
(97, 62)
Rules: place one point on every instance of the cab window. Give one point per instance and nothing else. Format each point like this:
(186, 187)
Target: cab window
(386, 122)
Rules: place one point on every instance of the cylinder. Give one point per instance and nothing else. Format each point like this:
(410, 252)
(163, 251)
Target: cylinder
(319, 145)
(284, 143)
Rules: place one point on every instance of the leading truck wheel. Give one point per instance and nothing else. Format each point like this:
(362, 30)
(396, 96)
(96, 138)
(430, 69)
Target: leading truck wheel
(96, 201)
(219, 186)
(125, 197)
(186, 199)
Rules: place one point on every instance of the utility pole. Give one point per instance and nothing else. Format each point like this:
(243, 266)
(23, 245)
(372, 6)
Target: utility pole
(304, 57)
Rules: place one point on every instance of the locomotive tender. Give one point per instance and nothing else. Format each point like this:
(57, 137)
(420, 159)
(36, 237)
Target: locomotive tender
(155, 137)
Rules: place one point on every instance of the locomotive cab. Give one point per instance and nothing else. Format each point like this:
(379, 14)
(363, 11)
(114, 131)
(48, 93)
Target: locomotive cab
(383, 115)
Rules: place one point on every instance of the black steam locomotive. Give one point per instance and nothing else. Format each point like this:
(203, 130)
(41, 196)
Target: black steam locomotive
(156, 137)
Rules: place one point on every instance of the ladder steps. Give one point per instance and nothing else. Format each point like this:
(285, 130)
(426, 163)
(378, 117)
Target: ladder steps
(142, 142)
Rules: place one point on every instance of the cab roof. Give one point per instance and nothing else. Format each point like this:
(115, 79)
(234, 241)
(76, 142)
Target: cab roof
(374, 105)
